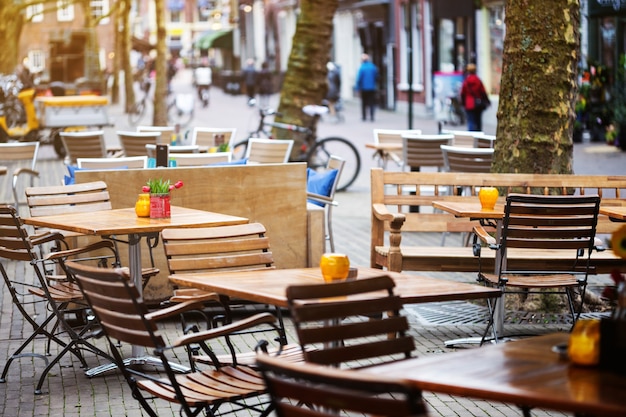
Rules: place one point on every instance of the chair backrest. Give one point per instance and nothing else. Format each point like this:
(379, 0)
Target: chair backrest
(224, 248)
(112, 163)
(75, 198)
(484, 141)
(543, 222)
(464, 138)
(462, 159)
(19, 158)
(334, 163)
(177, 149)
(205, 136)
(83, 144)
(353, 320)
(165, 132)
(268, 151)
(392, 136)
(200, 159)
(424, 150)
(329, 391)
(134, 143)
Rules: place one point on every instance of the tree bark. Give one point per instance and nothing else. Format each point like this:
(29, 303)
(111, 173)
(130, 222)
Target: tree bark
(305, 79)
(160, 93)
(538, 88)
(11, 23)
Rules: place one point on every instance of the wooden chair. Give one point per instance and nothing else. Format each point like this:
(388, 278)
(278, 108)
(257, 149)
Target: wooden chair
(327, 200)
(23, 159)
(128, 162)
(244, 247)
(462, 159)
(86, 144)
(484, 141)
(268, 151)
(200, 159)
(205, 136)
(124, 316)
(329, 392)
(178, 149)
(463, 138)
(384, 137)
(424, 150)
(77, 198)
(165, 133)
(540, 223)
(357, 322)
(134, 143)
(51, 305)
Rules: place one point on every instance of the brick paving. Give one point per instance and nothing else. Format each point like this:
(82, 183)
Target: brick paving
(68, 392)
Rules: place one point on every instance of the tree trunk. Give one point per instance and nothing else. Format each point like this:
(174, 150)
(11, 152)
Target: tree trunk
(160, 93)
(124, 52)
(11, 23)
(538, 88)
(305, 80)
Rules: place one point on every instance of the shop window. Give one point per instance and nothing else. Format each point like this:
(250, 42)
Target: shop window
(100, 10)
(36, 61)
(34, 13)
(415, 35)
(65, 11)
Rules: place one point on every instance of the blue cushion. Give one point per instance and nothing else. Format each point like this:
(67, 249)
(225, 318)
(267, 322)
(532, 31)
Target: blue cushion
(320, 183)
(71, 169)
(241, 161)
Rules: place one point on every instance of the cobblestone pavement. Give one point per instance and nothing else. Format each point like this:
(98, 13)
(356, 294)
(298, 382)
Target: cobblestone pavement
(68, 392)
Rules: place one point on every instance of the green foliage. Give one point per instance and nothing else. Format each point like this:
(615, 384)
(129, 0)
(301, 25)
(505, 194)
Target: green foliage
(618, 94)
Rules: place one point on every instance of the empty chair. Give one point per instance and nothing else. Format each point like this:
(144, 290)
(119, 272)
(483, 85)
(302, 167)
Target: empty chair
(389, 145)
(540, 224)
(85, 144)
(200, 159)
(134, 143)
(268, 151)
(23, 162)
(462, 159)
(295, 388)
(463, 137)
(113, 163)
(484, 141)
(165, 132)
(321, 189)
(424, 150)
(206, 137)
(124, 316)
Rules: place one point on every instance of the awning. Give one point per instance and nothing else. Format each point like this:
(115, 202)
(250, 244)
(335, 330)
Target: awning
(222, 39)
(141, 45)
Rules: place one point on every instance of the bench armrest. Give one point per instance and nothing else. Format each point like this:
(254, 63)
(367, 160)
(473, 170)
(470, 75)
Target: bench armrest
(381, 212)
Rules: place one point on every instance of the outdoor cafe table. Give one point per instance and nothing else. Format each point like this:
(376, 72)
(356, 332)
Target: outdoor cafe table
(269, 286)
(125, 222)
(615, 213)
(525, 372)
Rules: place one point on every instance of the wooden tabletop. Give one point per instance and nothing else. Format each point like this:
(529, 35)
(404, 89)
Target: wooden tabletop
(616, 213)
(470, 207)
(3, 170)
(269, 286)
(389, 147)
(525, 372)
(125, 221)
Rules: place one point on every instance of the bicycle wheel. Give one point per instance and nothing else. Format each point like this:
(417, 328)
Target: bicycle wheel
(180, 110)
(318, 155)
(137, 112)
(239, 149)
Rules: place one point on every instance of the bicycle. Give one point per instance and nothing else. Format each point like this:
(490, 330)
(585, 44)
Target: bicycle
(314, 151)
(179, 106)
(139, 109)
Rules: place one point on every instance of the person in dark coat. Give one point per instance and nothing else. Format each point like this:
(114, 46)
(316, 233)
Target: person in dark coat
(334, 87)
(367, 84)
(249, 79)
(474, 98)
(264, 83)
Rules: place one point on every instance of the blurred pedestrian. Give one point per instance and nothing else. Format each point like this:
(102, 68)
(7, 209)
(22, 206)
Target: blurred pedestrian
(474, 98)
(367, 84)
(334, 87)
(265, 85)
(249, 79)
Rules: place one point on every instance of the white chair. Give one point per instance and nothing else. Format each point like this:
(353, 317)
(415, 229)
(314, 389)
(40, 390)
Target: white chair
(392, 138)
(200, 159)
(321, 191)
(268, 151)
(205, 136)
(484, 141)
(463, 159)
(424, 150)
(134, 143)
(165, 132)
(463, 137)
(177, 149)
(112, 163)
(86, 144)
(23, 160)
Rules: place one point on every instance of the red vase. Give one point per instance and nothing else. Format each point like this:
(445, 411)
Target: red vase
(160, 206)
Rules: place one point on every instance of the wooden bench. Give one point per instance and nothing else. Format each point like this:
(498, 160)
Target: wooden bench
(392, 193)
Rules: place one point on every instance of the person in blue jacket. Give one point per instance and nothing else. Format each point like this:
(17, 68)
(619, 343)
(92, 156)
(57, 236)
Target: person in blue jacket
(366, 85)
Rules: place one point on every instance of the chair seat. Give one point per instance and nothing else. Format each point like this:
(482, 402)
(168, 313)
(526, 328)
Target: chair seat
(61, 292)
(209, 386)
(289, 353)
(535, 281)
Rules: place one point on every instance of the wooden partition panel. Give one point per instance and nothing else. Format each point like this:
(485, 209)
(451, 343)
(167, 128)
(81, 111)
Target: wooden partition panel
(272, 194)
